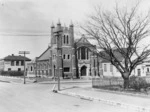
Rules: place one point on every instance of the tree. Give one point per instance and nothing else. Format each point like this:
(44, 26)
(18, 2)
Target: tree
(121, 31)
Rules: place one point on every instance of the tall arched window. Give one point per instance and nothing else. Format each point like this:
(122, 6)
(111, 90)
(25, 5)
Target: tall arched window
(94, 62)
(31, 68)
(83, 53)
(67, 39)
(64, 39)
(87, 54)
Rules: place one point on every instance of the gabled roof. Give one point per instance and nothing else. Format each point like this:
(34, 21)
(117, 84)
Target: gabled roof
(83, 39)
(117, 54)
(45, 55)
(16, 58)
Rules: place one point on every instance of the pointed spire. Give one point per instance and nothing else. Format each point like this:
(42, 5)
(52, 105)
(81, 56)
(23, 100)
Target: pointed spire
(52, 25)
(71, 24)
(58, 22)
(64, 25)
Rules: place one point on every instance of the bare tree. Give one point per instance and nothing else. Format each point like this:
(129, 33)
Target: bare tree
(120, 31)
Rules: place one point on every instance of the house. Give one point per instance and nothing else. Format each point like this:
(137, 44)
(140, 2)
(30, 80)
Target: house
(13, 63)
(110, 70)
(143, 69)
(106, 67)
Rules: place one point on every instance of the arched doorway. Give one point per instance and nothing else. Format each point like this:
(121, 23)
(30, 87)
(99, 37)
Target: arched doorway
(83, 70)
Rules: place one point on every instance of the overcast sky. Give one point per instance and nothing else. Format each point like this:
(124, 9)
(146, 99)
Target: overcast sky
(19, 19)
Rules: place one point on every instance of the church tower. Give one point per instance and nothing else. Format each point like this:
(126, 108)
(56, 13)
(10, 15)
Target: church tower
(62, 56)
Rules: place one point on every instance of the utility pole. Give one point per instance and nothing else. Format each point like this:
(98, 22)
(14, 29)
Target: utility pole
(24, 52)
(59, 49)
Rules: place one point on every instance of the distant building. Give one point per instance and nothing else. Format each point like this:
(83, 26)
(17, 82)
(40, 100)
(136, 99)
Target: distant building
(13, 63)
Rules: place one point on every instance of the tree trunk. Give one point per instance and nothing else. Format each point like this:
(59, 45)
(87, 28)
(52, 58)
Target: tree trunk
(126, 80)
(126, 83)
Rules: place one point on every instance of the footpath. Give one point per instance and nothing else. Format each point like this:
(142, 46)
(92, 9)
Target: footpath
(129, 102)
(9, 79)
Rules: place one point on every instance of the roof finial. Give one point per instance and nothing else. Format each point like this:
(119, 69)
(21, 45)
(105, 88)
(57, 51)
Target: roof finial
(58, 22)
(71, 24)
(52, 25)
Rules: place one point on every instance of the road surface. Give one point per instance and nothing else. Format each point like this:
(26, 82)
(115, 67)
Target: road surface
(34, 97)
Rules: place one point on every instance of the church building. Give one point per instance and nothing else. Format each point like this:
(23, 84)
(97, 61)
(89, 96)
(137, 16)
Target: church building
(68, 57)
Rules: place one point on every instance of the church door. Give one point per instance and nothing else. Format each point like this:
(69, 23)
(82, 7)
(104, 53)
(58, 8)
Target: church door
(83, 71)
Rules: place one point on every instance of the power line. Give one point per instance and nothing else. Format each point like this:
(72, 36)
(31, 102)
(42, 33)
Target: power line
(23, 35)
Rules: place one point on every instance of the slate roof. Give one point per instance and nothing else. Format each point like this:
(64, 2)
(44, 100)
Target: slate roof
(117, 54)
(45, 55)
(83, 41)
(16, 58)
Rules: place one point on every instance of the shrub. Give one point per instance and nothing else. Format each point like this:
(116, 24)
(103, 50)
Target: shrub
(5, 73)
(16, 73)
(138, 83)
(12, 73)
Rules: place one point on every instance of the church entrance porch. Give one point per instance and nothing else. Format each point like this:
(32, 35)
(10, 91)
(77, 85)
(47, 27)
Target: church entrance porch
(84, 71)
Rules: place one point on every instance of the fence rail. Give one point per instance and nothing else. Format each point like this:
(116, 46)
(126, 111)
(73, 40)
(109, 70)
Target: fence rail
(98, 82)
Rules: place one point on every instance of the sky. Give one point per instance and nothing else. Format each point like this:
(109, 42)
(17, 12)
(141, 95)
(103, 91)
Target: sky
(25, 24)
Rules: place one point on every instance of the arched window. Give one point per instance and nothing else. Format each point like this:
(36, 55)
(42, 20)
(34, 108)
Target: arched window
(94, 62)
(64, 39)
(31, 68)
(83, 53)
(64, 56)
(87, 54)
(68, 56)
(67, 39)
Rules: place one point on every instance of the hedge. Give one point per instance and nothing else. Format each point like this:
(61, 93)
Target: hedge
(12, 73)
